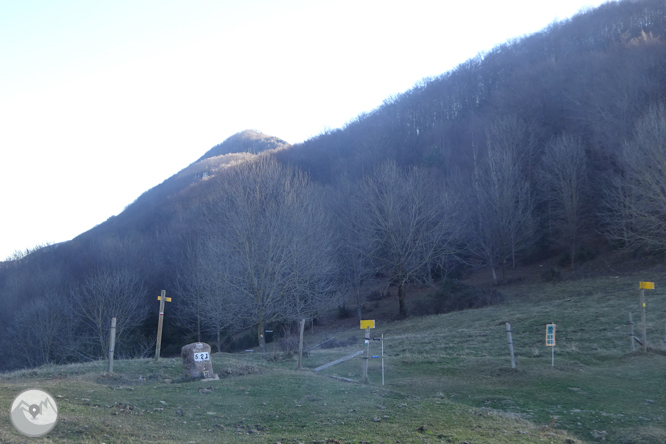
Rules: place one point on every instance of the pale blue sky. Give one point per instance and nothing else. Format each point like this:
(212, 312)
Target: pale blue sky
(100, 101)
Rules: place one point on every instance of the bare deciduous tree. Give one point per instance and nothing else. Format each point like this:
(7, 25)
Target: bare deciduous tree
(500, 206)
(44, 330)
(405, 223)
(564, 181)
(105, 295)
(273, 242)
(204, 304)
(636, 197)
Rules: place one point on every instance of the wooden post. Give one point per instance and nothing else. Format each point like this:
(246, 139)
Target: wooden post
(510, 340)
(631, 332)
(553, 355)
(300, 345)
(643, 320)
(158, 346)
(383, 358)
(112, 343)
(367, 356)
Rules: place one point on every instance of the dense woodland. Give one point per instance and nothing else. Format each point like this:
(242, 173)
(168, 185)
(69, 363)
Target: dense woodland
(553, 144)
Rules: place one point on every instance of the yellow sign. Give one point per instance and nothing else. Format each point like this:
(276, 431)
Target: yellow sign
(646, 285)
(160, 297)
(367, 324)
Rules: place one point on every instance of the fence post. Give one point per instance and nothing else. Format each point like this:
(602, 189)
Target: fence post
(510, 340)
(300, 345)
(383, 357)
(367, 356)
(643, 320)
(631, 332)
(112, 343)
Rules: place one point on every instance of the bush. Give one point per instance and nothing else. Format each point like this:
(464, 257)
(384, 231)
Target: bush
(583, 255)
(454, 295)
(377, 296)
(551, 275)
(344, 312)
(244, 342)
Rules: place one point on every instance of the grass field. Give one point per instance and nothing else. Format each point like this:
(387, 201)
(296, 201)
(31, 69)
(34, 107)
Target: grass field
(448, 379)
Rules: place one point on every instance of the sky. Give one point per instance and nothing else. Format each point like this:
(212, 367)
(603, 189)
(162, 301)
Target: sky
(101, 101)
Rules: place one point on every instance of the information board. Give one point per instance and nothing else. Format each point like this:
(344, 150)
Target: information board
(550, 335)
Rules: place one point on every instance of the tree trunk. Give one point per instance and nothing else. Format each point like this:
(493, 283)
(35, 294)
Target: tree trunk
(219, 342)
(492, 268)
(573, 255)
(401, 299)
(260, 336)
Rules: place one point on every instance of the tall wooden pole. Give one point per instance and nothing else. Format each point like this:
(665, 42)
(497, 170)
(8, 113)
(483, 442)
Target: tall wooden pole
(382, 358)
(631, 332)
(508, 336)
(367, 356)
(300, 345)
(159, 325)
(112, 343)
(643, 320)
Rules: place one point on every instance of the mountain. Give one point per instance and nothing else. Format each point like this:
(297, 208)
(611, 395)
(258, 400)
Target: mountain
(248, 141)
(594, 83)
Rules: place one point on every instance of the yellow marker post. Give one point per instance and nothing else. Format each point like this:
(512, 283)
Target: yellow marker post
(367, 325)
(644, 286)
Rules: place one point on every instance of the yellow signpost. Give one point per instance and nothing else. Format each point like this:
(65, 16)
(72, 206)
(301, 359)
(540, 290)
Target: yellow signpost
(367, 325)
(644, 286)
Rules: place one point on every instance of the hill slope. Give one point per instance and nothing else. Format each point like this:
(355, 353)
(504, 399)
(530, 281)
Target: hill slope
(592, 78)
(447, 378)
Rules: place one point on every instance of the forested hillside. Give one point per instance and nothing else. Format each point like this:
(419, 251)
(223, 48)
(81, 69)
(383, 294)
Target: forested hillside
(551, 144)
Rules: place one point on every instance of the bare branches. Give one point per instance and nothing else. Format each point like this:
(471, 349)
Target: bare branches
(105, 295)
(636, 198)
(405, 223)
(501, 207)
(565, 189)
(273, 242)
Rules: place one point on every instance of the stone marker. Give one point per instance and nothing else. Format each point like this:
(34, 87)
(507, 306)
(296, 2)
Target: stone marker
(196, 361)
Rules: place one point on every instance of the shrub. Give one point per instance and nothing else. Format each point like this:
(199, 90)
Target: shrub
(344, 312)
(454, 295)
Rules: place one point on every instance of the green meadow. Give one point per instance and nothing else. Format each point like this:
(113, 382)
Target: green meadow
(448, 379)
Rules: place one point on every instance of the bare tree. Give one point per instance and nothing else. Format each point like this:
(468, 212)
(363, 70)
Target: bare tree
(500, 208)
(44, 330)
(204, 301)
(564, 181)
(356, 270)
(405, 223)
(636, 198)
(273, 242)
(105, 295)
